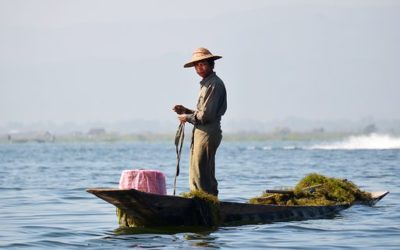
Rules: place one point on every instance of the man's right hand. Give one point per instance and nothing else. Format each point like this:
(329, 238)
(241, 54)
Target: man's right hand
(179, 109)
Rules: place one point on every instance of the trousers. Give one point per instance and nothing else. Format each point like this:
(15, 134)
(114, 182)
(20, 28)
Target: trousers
(202, 160)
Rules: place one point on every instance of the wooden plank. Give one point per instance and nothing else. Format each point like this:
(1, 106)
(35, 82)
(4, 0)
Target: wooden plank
(291, 192)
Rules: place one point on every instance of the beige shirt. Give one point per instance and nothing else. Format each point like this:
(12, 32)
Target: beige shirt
(211, 104)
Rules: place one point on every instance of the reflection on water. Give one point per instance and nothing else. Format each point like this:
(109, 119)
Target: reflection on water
(163, 230)
(195, 236)
(202, 240)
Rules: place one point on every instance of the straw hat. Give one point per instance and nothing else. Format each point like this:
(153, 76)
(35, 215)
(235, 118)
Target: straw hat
(199, 55)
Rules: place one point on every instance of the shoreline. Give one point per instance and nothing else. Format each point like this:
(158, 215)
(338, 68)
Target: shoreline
(161, 137)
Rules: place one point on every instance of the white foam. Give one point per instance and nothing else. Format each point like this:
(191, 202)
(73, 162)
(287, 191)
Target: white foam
(371, 141)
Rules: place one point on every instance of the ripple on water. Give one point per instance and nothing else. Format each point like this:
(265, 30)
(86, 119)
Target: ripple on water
(45, 205)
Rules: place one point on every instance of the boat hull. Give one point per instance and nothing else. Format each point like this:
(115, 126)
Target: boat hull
(149, 210)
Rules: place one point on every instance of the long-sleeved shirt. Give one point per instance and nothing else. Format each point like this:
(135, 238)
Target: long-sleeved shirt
(212, 103)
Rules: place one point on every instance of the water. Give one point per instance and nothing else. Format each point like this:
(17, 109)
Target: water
(44, 205)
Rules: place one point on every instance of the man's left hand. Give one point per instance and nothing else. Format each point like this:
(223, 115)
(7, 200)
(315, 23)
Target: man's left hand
(182, 118)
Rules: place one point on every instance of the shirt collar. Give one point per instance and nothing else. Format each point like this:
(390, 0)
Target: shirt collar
(205, 80)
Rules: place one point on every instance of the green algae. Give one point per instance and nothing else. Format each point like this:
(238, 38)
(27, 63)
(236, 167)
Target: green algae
(316, 189)
(124, 220)
(201, 195)
(208, 206)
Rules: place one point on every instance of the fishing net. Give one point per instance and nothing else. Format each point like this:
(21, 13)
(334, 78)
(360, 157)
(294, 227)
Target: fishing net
(315, 189)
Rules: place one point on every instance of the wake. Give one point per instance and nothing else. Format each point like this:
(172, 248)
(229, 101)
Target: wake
(371, 141)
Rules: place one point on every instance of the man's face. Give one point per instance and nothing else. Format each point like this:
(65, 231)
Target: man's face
(203, 68)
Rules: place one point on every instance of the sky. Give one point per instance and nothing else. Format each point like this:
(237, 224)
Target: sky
(95, 60)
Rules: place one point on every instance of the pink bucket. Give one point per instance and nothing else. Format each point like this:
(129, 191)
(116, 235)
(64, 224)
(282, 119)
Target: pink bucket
(151, 181)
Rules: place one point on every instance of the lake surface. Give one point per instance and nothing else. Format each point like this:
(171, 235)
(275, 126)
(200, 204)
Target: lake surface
(44, 204)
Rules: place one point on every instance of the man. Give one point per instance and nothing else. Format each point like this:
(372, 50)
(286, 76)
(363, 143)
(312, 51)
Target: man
(207, 134)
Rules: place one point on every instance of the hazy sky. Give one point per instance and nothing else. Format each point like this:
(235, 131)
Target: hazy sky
(109, 61)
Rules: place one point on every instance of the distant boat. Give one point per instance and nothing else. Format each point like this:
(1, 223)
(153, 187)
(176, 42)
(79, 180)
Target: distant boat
(153, 210)
(36, 136)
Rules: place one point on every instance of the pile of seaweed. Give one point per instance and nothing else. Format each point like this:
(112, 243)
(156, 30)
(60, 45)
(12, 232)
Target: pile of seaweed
(207, 205)
(315, 189)
(124, 220)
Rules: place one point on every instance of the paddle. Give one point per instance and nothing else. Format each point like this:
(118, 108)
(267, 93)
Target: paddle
(180, 135)
(291, 192)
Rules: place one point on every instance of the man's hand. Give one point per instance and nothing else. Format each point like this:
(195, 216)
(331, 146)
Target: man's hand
(182, 118)
(179, 109)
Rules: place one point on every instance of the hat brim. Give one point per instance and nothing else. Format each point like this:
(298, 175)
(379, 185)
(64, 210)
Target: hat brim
(192, 63)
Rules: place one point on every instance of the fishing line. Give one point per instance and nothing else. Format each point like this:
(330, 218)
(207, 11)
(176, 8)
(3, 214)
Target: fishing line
(180, 135)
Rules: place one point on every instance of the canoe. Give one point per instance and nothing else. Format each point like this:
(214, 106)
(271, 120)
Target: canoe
(376, 196)
(153, 210)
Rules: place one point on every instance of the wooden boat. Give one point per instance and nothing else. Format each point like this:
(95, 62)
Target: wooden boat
(376, 196)
(152, 210)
